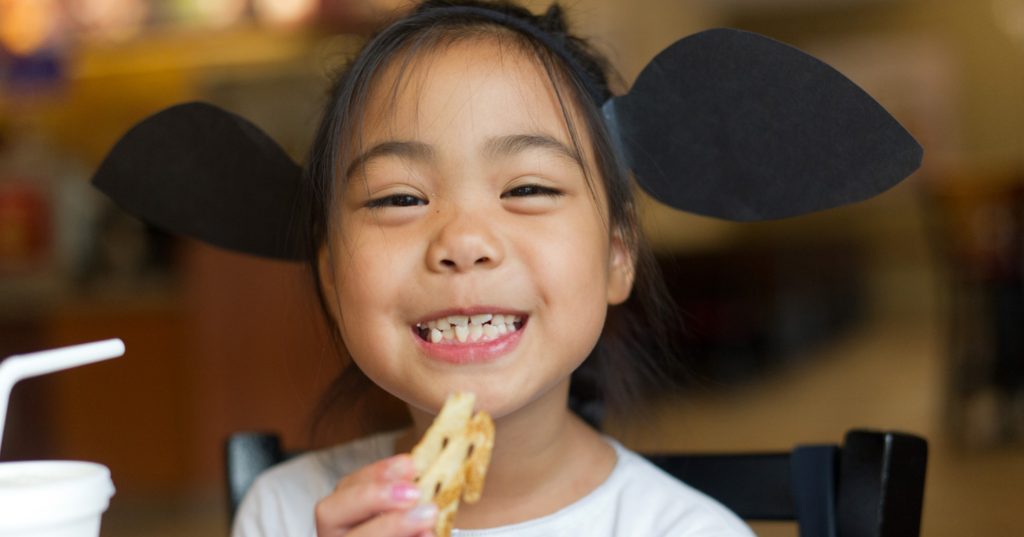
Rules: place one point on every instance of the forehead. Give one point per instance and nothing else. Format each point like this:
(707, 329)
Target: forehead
(472, 88)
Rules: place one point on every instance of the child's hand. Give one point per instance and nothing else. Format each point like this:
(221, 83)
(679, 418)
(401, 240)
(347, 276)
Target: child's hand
(378, 500)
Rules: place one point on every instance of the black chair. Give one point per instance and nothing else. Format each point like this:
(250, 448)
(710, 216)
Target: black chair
(871, 486)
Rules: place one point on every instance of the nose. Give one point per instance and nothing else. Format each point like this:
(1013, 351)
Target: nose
(465, 243)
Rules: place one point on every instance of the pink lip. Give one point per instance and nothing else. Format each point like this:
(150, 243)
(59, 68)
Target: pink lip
(468, 353)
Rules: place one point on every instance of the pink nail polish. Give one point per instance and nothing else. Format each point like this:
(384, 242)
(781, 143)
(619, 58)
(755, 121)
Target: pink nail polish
(404, 492)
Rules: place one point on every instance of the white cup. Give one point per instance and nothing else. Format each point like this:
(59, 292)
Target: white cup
(53, 498)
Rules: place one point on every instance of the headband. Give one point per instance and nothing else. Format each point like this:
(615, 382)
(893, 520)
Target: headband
(521, 25)
(723, 123)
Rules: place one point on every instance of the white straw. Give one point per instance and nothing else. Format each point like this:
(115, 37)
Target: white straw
(23, 366)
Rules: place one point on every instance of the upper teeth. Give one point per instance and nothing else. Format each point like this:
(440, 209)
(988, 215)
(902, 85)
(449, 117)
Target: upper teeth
(470, 327)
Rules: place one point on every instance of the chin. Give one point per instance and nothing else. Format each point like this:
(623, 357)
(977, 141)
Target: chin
(509, 397)
(497, 400)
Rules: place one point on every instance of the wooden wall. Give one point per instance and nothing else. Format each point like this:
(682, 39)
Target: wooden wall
(242, 347)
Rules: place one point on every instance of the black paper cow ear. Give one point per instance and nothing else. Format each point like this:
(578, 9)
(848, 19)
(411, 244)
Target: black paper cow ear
(738, 126)
(200, 171)
(723, 123)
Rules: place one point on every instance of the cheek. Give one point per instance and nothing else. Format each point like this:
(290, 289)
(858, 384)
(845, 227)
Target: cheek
(368, 291)
(366, 296)
(572, 262)
(371, 265)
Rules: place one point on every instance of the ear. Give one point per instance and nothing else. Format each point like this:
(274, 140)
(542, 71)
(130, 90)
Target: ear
(621, 270)
(199, 171)
(738, 126)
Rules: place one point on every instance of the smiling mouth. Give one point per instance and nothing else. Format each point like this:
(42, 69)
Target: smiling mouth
(456, 329)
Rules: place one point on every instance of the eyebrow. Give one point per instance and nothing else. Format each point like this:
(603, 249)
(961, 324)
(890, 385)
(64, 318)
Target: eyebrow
(495, 148)
(417, 151)
(511, 145)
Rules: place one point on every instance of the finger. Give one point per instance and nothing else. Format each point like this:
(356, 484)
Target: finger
(414, 522)
(396, 468)
(351, 505)
(365, 493)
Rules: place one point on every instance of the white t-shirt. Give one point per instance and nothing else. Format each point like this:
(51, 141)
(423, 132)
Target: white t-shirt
(638, 499)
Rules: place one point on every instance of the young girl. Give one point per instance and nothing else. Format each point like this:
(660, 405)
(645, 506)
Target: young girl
(464, 176)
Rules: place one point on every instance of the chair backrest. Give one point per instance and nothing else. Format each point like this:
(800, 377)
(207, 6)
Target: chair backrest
(871, 486)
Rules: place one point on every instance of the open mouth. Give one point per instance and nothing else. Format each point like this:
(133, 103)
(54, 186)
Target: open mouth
(455, 329)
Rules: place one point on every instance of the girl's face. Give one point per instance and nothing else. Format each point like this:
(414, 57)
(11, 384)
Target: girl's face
(471, 201)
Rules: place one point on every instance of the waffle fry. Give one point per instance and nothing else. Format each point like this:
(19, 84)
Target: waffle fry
(451, 460)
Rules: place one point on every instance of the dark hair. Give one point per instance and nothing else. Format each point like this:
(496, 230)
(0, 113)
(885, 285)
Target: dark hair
(635, 357)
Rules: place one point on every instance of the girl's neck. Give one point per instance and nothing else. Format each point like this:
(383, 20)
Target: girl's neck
(544, 459)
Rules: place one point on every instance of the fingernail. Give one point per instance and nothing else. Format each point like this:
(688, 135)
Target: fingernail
(396, 469)
(404, 492)
(421, 512)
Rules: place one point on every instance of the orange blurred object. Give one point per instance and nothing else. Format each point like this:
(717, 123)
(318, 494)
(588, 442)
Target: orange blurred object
(24, 227)
(26, 25)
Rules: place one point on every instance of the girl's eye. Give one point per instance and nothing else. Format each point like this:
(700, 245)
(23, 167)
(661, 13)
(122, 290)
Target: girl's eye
(396, 200)
(530, 190)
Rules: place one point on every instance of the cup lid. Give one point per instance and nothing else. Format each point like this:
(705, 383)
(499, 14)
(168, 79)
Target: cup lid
(39, 493)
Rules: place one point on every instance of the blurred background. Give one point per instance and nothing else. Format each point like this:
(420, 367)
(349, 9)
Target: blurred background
(904, 312)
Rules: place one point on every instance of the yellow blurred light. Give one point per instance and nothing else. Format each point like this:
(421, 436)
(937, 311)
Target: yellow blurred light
(220, 13)
(110, 19)
(285, 13)
(26, 25)
(1009, 14)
